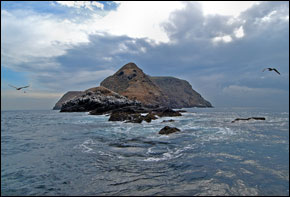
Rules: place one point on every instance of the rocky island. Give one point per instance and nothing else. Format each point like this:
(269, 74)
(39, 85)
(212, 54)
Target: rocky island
(131, 82)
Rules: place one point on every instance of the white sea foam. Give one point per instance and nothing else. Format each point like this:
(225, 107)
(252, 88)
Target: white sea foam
(84, 147)
(149, 150)
(165, 156)
(105, 154)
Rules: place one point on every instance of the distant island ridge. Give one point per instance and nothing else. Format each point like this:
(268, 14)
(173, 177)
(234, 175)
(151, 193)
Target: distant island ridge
(132, 83)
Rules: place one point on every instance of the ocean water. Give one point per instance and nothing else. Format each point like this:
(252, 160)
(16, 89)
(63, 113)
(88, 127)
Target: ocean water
(53, 153)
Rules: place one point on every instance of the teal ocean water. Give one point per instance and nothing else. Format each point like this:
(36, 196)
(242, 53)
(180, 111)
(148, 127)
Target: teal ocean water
(53, 153)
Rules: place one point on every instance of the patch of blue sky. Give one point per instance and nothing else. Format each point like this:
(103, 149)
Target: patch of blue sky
(76, 14)
(36, 6)
(9, 76)
(110, 5)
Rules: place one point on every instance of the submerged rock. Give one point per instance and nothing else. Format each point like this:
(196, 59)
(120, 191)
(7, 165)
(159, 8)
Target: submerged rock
(168, 130)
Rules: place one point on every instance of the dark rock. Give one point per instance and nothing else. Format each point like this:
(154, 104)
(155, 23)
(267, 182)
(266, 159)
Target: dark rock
(168, 120)
(121, 116)
(246, 119)
(149, 117)
(132, 109)
(181, 111)
(258, 118)
(166, 112)
(129, 117)
(168, 130)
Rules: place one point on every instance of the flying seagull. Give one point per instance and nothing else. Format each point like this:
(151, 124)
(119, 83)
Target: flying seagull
(19, 87)
(271, 69)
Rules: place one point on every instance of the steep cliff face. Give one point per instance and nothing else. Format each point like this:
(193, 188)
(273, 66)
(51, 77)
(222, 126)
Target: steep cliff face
(180, 92)
(130, 81)
(67, 96)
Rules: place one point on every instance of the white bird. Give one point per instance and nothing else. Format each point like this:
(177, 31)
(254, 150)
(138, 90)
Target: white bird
(271, 69)
(19, 87)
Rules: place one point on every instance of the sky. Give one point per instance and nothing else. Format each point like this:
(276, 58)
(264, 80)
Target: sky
(219, 47)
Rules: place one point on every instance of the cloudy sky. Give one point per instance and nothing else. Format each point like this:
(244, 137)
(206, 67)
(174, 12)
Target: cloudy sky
(221, 48)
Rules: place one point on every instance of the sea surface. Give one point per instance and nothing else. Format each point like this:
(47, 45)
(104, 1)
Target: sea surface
(52, 153)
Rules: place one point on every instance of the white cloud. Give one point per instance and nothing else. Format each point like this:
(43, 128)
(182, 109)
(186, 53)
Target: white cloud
(233, 8)
(82, 4)
(269, 16)
(239, 33)
(30, 36)
(226, 38)
(140, 19)
(27, 36)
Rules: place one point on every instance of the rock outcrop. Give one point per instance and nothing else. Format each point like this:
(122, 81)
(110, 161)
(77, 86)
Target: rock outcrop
(166, 112)
(180, 93)
(99, 99)
(168, 130)
(67, 96)
(130, 81)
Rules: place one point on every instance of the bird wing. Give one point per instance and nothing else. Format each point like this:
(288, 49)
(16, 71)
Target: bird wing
(265, 69)
(12, 86)
(24, 87)
(276, 71)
